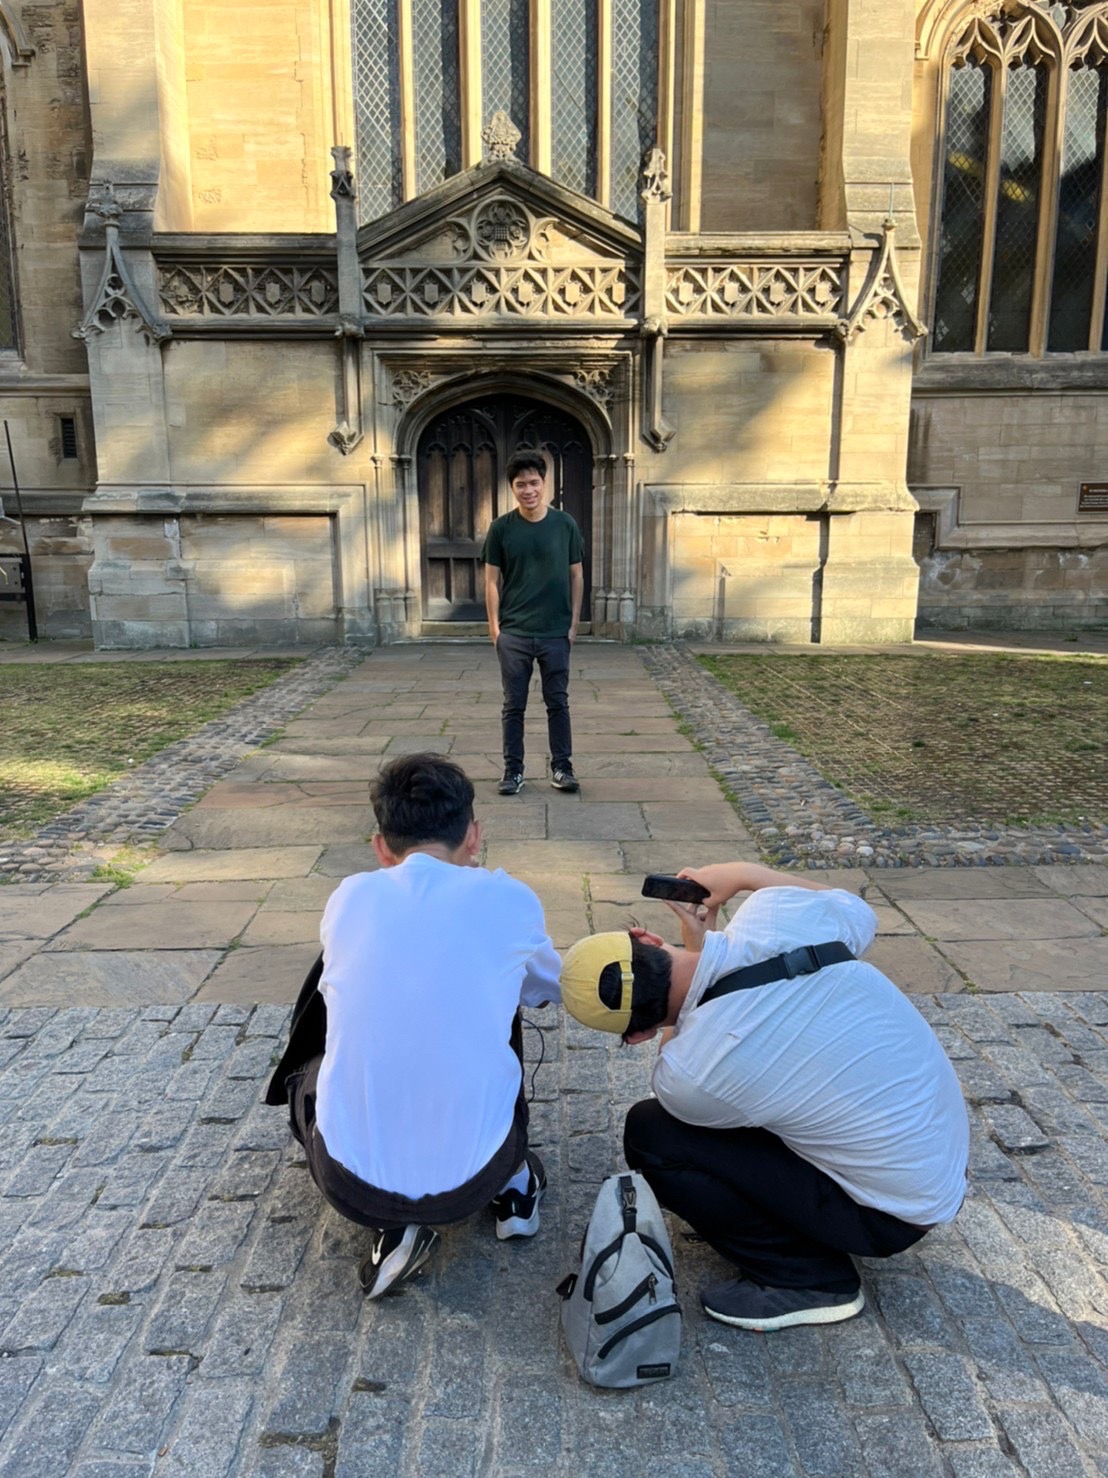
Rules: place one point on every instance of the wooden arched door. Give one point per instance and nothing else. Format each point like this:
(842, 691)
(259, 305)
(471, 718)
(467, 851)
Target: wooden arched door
(462, 487)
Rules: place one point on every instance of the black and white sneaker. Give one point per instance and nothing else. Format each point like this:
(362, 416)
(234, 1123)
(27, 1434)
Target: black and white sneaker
(563, 778)
(517, 1212)
(748, 1305)
(394, 1257)
(511, 784)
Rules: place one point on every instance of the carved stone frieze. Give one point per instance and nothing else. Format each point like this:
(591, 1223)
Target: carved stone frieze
(755, 290)
(500, 258)
(471, 290)
(203, 290)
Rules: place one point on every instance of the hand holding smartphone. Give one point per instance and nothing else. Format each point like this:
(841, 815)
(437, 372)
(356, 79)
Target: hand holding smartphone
(673, 889)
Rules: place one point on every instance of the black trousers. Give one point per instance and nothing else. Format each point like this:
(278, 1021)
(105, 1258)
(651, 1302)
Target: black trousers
(517, 655)
(777, 1217)
(372, 1206)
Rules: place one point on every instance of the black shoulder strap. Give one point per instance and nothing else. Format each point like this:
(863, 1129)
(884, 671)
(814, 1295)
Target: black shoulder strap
(803, 961)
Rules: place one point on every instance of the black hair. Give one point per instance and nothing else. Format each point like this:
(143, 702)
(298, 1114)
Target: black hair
(651, 970)
(527, 459)
(422, 798)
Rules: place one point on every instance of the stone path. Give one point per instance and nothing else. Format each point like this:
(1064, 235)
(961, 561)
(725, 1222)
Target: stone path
(175, 1300)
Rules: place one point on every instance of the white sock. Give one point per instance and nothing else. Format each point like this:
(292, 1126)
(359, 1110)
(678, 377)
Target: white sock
(519, 1181)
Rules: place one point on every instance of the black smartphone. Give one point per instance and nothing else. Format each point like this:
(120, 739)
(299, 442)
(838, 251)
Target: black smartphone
(680, 890)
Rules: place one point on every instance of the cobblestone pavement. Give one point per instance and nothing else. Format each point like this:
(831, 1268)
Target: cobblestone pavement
(175, 1300)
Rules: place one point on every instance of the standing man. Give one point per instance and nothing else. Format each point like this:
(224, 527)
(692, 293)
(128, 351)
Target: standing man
(534, 581)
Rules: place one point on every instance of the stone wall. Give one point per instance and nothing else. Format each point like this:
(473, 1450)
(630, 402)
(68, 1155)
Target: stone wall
(745, 577)
(212, 580)
(257, 96)
(762, 125)
(1000, 474)
(1015, 589)
(61, 552)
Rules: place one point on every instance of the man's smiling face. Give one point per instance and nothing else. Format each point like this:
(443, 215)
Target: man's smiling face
(528, 491)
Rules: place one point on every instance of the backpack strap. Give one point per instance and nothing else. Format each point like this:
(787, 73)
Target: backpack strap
(803, 961)
(628, 1202)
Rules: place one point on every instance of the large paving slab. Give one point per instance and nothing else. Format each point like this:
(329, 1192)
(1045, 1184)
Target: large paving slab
(998, 918)
(111, 977)
(212, 830)
(233, 865)
(173, 924)
(1033, 964)
(37, 910)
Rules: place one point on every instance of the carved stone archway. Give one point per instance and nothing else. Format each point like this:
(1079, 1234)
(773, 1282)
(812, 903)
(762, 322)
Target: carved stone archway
(595, 399)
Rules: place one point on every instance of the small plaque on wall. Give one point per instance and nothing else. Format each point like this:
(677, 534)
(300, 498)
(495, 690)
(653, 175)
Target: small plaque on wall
(1093, 497)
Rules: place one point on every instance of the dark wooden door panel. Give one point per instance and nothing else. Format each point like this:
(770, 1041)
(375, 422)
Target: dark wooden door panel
(462, 488)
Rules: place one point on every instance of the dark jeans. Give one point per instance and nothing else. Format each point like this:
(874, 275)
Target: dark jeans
(518, 655)
(371, 1206)
(779, 1219)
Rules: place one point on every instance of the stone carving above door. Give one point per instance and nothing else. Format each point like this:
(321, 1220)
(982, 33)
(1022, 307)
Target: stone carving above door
(499, 258)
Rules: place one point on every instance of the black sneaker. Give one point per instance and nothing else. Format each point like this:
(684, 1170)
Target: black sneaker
(563, 778)
(517, 1212)
(395, 1256)
(512, 783)
(750, 1306)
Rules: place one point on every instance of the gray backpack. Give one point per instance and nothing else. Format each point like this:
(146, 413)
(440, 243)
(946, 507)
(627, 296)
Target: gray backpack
(621, 1319)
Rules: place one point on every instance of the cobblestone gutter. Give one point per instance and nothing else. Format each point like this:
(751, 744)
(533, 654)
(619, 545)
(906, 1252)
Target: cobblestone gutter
(141, 805)
(799, 817)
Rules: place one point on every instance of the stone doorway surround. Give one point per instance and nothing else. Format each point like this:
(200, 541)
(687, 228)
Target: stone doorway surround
(462, 486)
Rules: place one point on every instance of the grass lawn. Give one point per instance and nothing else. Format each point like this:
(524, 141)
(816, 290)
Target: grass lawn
(69, 730)
(941, 736)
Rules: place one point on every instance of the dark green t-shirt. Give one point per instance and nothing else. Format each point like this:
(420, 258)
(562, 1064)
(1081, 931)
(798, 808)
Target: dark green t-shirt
(534, 560)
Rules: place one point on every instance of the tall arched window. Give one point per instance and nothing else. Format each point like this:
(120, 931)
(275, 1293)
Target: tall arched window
(1022, 237)
(428, 74)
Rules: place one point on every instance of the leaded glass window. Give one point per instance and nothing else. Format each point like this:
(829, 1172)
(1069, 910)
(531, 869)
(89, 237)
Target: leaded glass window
(377, 106)
(437, 76)
(574, 95)
(1021, 253)
(419, 117)
(634, 98)
(963, 213)
(505, 64)
(1079, 195)
(1019, 193)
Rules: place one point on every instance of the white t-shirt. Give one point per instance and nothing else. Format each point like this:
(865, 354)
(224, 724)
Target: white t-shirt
(424, 965)
(838, 1064)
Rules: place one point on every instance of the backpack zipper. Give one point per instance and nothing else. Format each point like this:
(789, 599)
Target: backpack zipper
(648, 1285)
(641, 1323)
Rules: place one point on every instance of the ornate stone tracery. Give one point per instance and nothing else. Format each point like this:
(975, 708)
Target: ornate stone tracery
(883, 296)
(757, 290)
(408, 385)
(116, 297)
(261, 290)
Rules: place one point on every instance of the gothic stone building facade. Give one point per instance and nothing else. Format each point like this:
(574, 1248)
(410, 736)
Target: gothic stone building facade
(804, 301)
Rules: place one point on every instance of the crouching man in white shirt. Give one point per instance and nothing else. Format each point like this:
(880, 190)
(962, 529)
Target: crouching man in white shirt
(802, 1113)
(403, 1074)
